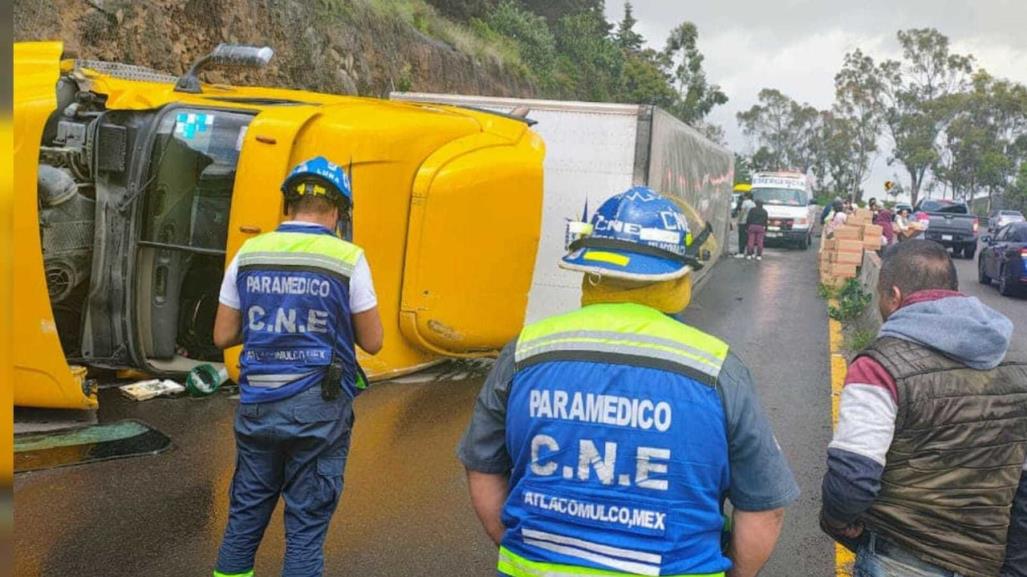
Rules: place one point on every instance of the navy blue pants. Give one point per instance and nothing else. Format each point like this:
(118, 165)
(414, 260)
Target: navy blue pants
(1016, 545)
(295, 448)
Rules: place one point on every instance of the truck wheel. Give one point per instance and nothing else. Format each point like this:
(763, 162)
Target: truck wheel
(982, 277)
(969, 250)
(804, 243)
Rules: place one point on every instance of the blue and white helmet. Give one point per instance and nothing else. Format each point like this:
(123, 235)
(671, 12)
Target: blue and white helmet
(636, 235)
(297, 184)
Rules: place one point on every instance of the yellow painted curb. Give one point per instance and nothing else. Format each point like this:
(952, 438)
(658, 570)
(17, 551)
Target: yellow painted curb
(843, 558)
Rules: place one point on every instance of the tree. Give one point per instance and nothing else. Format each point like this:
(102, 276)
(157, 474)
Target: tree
(535, 41)
(463, 10)
(784, 130)
(555, 10)
(916, 93)
(646, 82)
(743, 169)
(629, 40)
(972, 156)
(859, 105)
(834, 166)
(697, 96)
(1016, 195)
(589, 57)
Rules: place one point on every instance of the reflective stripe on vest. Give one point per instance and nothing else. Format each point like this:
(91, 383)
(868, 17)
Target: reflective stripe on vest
(619, 445)
(612, 334)
(514, 565)
(294, 298)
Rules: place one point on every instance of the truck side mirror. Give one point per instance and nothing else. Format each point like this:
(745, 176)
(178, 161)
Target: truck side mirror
(224, 55)
(986, 239)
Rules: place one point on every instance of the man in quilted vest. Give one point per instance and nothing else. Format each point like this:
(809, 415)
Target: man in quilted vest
(932, 431)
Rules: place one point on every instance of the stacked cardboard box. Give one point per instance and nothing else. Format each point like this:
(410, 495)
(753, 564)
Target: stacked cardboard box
(842, 254)
(840, 261)
(872, 236)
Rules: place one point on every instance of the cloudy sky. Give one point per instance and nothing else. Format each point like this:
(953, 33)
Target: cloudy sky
(797, 45)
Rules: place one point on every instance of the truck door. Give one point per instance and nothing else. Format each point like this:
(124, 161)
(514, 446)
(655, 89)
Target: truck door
(183, 231)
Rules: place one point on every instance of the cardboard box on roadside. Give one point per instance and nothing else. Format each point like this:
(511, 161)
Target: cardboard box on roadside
(848, 232)
(872, 230)
(846, 271)
(829, 244)
(849, 246)
(855, 258)
(831, 282)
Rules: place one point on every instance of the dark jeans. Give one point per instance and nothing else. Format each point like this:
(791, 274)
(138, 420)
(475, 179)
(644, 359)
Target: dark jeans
(295, 448)
(879, 558)
(743, 237)
(1016, 544)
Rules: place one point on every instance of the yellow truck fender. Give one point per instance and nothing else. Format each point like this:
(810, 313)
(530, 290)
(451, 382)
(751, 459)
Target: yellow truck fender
(42, 377)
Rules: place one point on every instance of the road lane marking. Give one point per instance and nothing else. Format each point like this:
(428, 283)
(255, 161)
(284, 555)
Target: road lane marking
(843, 558)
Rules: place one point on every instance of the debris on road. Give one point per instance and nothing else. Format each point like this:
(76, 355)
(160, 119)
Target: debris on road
(206, 379)
(146, 390)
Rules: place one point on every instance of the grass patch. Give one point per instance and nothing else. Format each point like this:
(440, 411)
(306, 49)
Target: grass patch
(858, 340)
(852, 301)
(474, 40)
(826, 292)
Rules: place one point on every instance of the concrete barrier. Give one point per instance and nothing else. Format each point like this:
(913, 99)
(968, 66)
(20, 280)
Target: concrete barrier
(869, 272)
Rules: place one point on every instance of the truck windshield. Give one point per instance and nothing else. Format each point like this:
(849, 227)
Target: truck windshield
(780, 196)
(192, 171)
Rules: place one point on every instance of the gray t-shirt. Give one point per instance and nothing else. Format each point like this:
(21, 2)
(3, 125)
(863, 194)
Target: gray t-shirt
(760, 477)
(743, 212)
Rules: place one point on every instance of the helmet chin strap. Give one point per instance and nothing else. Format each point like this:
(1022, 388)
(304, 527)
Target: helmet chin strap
(343, 225)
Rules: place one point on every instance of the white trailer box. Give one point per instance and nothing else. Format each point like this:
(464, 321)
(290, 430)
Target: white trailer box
(595, 150)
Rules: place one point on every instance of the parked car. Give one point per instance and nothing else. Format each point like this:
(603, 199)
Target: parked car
(950, 224)
(1004, 258)
(1000, 218)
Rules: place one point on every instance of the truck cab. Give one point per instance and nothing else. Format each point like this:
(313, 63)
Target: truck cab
(132, 195)
(787, 197)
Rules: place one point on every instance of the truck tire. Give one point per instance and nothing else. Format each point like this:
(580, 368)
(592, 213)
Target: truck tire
(982, 277)
(969, 250)
(804, 243)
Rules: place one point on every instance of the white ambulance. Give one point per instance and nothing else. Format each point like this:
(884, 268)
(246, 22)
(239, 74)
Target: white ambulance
(788, 199)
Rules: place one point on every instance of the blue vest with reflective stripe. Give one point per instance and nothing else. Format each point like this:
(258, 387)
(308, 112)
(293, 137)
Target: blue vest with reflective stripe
(619, 444)
(294, 298)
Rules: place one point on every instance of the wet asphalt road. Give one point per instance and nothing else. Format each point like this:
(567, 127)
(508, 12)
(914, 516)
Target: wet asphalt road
(1013, 307)
(404, 510)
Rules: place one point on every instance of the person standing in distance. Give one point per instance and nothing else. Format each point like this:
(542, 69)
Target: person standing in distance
(605, 440)
(298, 299)
(745, 205)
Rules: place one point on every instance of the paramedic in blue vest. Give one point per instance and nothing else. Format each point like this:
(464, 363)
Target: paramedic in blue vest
(607, 439)
(298, 299)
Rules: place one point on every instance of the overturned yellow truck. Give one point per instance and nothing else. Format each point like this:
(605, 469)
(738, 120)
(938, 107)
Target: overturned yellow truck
(131, 187)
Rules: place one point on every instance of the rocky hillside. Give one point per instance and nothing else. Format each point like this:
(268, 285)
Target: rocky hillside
(366, 47)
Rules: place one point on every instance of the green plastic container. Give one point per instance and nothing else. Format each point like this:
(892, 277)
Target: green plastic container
(205, 380)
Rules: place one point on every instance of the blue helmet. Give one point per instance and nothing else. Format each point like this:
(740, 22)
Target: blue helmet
(303, 180)
(638, 235)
